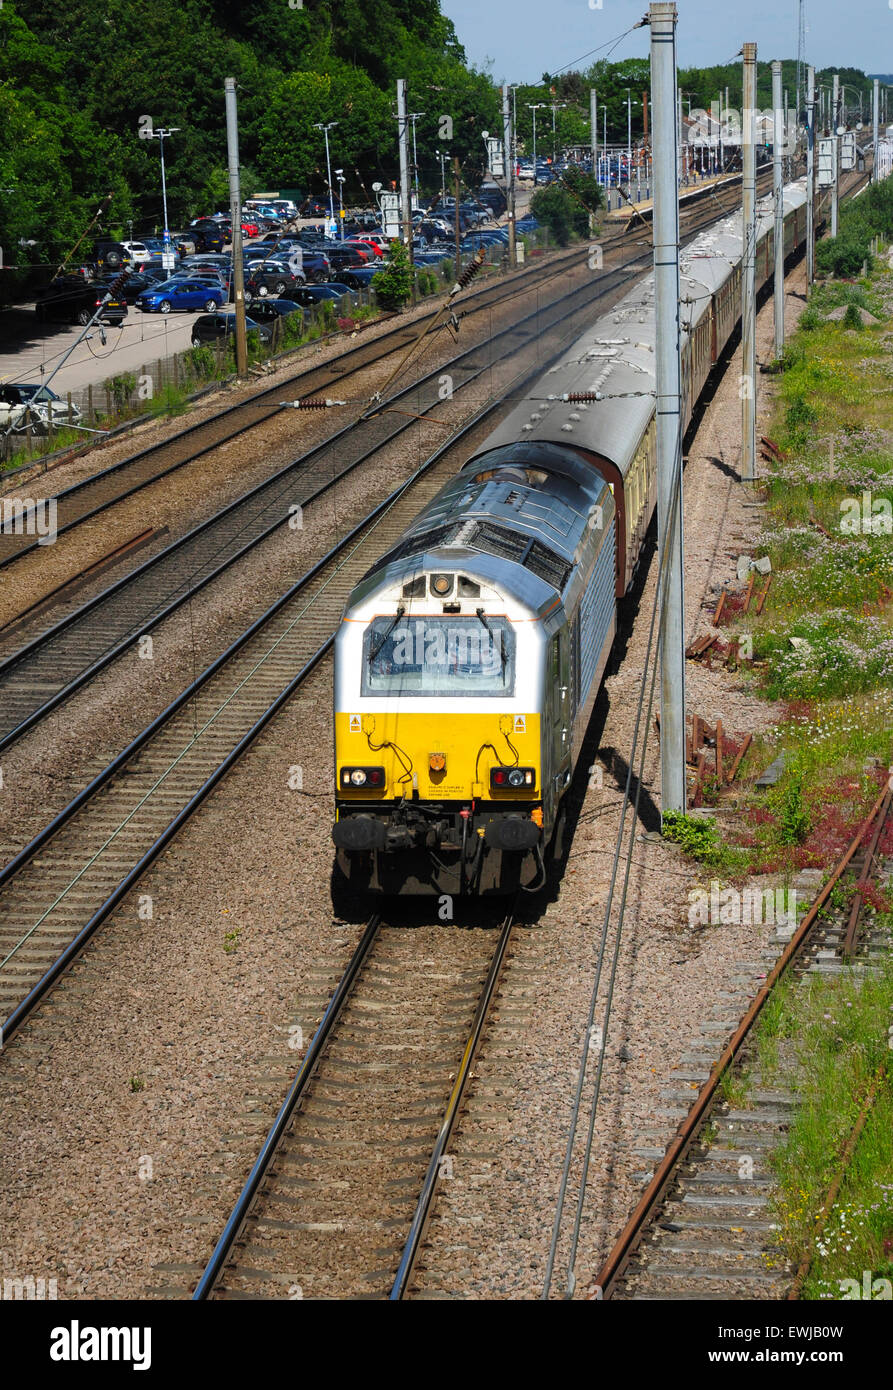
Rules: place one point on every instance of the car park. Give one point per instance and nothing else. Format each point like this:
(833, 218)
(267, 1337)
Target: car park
(72, 299)
(214, 328)
(344, 257)
(183, 295)
(137, 283)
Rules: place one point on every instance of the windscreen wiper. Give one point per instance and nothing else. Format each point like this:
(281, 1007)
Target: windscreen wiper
(488, 628)
(401, 611)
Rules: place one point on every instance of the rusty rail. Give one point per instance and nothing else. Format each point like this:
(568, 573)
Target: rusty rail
(689, 1128)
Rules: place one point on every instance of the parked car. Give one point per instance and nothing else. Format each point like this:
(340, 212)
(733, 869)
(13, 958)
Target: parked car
(110, 255)
(212, 328)
(137, 283)
(20, 399)
(376, 239)
(342, 257)
(492, 195)
(269, 310)
(208, 258)
(317, 294)
(207, 236)
(273, 277)
(72, 299)
(184, 242)
(358, 279)
(182, 294)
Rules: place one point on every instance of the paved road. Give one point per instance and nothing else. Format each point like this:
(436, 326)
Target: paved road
(26, 346)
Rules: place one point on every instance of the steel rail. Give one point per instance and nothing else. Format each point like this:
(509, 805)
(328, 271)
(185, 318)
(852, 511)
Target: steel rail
(26, 854)
(503, 289)
(422, 1212)
(326, 374)
(7, 874)
(241, 1210)
(688, 1128)
(190, 586)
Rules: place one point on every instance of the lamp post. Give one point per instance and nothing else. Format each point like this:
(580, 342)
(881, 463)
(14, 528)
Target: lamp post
(325, 127)
(415, 116)
(629, 134)
(443, 156)
(159, 135)
(534, 107)
(556, 106)
(513, 88)
(339, 175)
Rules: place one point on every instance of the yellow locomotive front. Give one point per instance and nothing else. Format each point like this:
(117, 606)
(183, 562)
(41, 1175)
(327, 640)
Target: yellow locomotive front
(438, 733)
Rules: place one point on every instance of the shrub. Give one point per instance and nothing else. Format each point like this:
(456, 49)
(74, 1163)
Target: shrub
(696, 835)
(199, 363)
(843, 254)
(852, 318)
(121, 388)
(393, 285)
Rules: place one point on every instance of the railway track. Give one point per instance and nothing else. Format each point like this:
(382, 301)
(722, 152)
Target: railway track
(60, 660)
(61, 886)
(337, 1202)
(50, 668)
(105, 489)
(112, 485)
(703, 1228)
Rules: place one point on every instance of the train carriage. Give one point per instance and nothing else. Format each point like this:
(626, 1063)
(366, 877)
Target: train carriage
(469, 658)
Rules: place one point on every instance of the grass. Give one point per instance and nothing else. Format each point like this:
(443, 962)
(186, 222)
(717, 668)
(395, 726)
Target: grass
(838, 1031)
(823, 645)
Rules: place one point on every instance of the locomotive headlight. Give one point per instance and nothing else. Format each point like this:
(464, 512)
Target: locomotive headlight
(441, 584)
(512, 778)
(362, 777)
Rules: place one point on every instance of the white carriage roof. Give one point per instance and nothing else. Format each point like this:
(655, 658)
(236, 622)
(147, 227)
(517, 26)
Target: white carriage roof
(615, 357)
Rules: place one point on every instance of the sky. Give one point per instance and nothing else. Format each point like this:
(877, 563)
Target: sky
(525, 38)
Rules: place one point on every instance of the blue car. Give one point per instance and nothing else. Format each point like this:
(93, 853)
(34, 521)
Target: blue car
(182, 294)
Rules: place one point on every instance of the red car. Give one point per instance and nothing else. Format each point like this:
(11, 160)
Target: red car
(368, 251)
(250, 229)
(363, 243)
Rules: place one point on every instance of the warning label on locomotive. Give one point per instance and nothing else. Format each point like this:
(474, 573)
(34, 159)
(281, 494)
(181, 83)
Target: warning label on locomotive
(520, 724)
(356, 726)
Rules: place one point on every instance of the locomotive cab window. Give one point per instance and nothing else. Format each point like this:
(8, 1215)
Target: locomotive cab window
(456, 655)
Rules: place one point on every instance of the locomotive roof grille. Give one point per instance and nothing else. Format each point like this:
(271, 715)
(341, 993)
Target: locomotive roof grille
(486, 536)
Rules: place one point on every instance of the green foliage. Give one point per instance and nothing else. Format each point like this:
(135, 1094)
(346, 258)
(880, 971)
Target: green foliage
(200, 363)
(121, 389)
(393, 285)
(793, 815)
(554, 208)
(843, 254)
(76, 80)
(695, 834)
(852, 318)
(799, 419)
